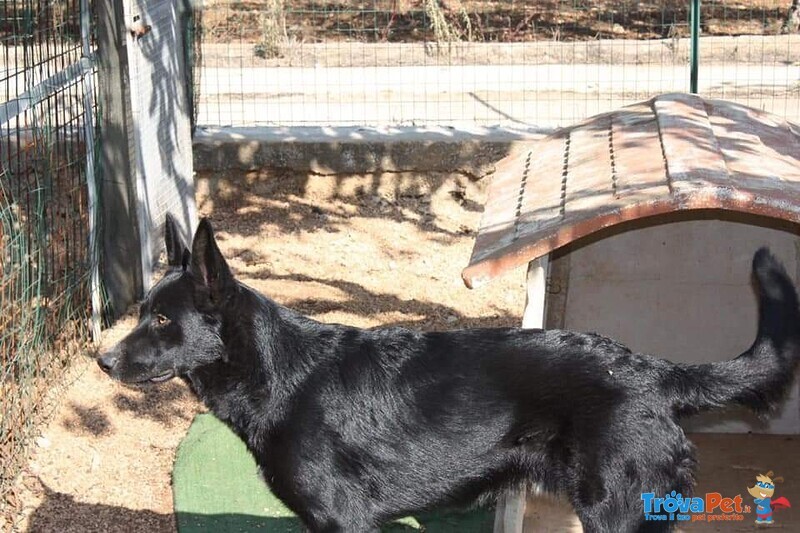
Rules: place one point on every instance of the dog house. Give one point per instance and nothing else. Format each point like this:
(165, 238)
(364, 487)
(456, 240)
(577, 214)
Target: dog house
(641, 224)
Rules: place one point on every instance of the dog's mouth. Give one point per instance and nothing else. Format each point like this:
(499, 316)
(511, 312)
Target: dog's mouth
(160, 378)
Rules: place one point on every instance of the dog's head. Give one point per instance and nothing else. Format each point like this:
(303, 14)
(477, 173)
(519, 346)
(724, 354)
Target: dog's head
(179, 320)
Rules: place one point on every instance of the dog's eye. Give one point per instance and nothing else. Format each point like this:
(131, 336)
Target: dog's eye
(161, 320)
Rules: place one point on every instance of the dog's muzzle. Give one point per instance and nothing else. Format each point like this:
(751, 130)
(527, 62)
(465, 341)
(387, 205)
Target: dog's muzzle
(108, 361)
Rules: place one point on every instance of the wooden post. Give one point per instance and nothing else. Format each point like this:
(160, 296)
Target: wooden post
(536, 294)
(510, 510)
(119, 236)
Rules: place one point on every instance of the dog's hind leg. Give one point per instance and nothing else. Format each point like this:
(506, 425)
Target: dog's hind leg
(609, 499)
(625, 512)
(619, 517)
(612, 515)
(655, 527)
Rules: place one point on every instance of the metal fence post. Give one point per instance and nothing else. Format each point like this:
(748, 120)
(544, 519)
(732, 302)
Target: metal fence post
(89, 128)
(695, 37)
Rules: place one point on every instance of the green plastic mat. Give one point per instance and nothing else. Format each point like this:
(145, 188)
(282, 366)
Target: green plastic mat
(217, 488)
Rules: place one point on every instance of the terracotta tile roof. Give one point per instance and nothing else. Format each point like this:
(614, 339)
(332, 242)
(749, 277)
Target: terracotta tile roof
(674, 152)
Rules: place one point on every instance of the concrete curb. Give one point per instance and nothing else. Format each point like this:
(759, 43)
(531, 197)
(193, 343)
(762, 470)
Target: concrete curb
(358, 150)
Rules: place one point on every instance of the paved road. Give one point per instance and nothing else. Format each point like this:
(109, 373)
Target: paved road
(522, 95)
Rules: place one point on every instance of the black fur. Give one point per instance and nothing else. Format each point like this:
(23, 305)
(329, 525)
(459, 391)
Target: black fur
(354, 427)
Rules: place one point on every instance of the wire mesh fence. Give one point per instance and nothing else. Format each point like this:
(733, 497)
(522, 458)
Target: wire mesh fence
(480, 62)
(47, 126)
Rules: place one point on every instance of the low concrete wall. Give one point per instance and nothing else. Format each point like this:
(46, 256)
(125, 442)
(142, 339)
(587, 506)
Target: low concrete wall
(322, 150)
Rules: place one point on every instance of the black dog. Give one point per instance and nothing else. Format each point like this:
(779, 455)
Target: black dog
(353, 427)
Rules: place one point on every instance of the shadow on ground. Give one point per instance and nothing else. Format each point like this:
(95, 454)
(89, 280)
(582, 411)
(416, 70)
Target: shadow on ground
(363, 302)
(156, 403)
(264, 217)
(61, 513)
(297, 201)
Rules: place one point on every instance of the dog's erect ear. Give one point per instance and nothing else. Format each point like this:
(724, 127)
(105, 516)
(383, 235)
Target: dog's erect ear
(207, 264)
(177, 253)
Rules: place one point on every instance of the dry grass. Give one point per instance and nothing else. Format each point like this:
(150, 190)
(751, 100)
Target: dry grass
(273, 30)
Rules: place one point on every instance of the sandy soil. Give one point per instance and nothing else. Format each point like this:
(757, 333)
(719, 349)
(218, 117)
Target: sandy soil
(364, 250)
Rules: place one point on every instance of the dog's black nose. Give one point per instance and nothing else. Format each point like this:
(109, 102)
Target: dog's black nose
(107, 362)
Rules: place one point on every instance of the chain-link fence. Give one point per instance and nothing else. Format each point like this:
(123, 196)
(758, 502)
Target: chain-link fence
(47, 258)
(484, 62)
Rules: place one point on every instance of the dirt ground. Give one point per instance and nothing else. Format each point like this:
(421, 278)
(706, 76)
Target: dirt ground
(363, 250)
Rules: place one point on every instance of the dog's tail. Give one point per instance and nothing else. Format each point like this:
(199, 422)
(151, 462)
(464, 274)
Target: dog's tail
(761, 376)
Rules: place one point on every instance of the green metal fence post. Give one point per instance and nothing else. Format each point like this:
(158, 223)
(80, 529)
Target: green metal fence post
(695, 36)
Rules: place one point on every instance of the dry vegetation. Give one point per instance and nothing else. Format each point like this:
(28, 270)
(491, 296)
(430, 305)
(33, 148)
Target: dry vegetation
(441, 21)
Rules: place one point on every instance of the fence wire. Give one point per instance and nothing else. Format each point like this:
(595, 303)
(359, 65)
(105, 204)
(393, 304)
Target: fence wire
(480, 62)
(47, 125)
